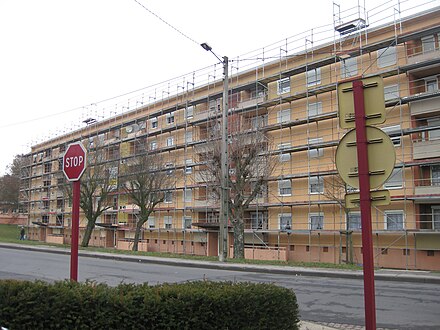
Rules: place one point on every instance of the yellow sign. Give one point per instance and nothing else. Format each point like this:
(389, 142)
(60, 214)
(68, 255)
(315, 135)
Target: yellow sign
(378, 197)
(381, 157)
(374, 101)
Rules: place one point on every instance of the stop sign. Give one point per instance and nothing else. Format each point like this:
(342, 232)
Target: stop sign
(74, 161)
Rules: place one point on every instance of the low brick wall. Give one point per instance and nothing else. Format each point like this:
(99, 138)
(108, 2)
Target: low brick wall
(13, 219)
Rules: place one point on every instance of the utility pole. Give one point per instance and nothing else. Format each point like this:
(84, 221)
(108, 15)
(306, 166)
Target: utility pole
(224, 203)
(224, 189)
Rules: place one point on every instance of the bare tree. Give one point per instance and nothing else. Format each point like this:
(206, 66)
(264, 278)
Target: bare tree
(98, 182)
(336, 189)
(250, 166)
(146, 179)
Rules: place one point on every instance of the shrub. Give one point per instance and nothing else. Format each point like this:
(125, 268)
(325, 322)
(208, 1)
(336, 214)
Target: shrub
(192, 305)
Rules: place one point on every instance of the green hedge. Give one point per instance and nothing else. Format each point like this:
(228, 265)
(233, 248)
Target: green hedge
(193, 305)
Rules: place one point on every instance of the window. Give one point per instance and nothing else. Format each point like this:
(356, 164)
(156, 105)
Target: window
(187, 195)
(214, 105)
(151, 222)
(435, 217)
(349, 67)
(354, 221)
(189, 112)
(168, 198)
(153, 145)
(170, 141)
(169, 168)
(435, 175)
(259, 121)
(394, 220)
(170, 118)
(187, 222)
(188, 136)
(314, 109)
(284, 188)
(386, 57)
(434, 134)
(258, 220)
(428, 44)
(47, 167)
(285, 221)
(283, 116)
(188, 167)
(395, 180)
(313, 151)
(394, 130)
(284, 156)
(313, 77)
(154, 123)
(431, 85)
(316, 221)
(316, 185)
(168, 221)
(283, 86)
(391, 92)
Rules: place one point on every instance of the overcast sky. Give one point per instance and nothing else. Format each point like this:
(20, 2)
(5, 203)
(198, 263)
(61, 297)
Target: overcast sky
(61, 55)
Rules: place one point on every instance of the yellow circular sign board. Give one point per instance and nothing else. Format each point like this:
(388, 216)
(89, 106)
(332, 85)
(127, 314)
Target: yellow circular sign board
(381, 157)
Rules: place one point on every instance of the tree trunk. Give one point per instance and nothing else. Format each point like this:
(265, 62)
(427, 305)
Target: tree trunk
(239, 238)
(137, 234)
(88, 232)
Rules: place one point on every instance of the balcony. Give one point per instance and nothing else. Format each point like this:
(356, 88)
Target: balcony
(423, 57)
(426, 149)
(426, 106)
(425, 189)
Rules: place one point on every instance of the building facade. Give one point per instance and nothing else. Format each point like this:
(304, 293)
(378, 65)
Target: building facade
(292, 100)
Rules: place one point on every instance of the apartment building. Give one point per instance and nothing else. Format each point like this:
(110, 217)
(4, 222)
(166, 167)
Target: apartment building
(292, 99)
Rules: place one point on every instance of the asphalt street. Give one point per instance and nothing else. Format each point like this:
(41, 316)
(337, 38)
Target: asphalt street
(404, 300)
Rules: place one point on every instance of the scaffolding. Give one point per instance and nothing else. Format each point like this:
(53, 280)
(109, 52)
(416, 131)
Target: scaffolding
(286, 91)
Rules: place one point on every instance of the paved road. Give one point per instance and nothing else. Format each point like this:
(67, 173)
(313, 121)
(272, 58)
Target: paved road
(400, 305)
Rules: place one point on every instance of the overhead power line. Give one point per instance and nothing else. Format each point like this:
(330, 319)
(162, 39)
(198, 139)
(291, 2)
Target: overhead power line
(171, 26)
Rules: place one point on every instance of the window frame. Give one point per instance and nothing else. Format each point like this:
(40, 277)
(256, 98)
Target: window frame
(395, 212)
(154, 123)
(288, 217)
(391, 92)
(396, 184)
(168, 197)
(319, 183)
(320, 222)
(151, 222)
(314, 112)
(170, 141)
(349, 223)
(282, 87)
(185, 218)
(315, 152)
(284, 116)
(386, 57)
(313, 77)
(170, 118)
(349, 67)
(168, 221)
(284, 156)
(286, 187)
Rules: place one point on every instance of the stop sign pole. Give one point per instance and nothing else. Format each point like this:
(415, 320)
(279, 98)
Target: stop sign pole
(74, 164)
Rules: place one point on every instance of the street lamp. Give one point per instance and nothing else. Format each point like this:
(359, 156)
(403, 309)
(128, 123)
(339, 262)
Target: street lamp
(224, 202)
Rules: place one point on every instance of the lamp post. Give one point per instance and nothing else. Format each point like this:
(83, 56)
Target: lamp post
(224, 202)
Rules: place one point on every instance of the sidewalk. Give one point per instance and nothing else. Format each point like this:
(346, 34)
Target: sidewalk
(379, 274)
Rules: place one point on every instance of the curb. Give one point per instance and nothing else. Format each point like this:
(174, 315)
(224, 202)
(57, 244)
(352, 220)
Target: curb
(383, 275)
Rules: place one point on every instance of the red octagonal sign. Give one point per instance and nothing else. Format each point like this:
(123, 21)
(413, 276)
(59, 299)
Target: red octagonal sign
(74, 161)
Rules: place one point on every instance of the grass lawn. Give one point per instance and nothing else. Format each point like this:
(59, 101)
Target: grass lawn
(11, 234)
